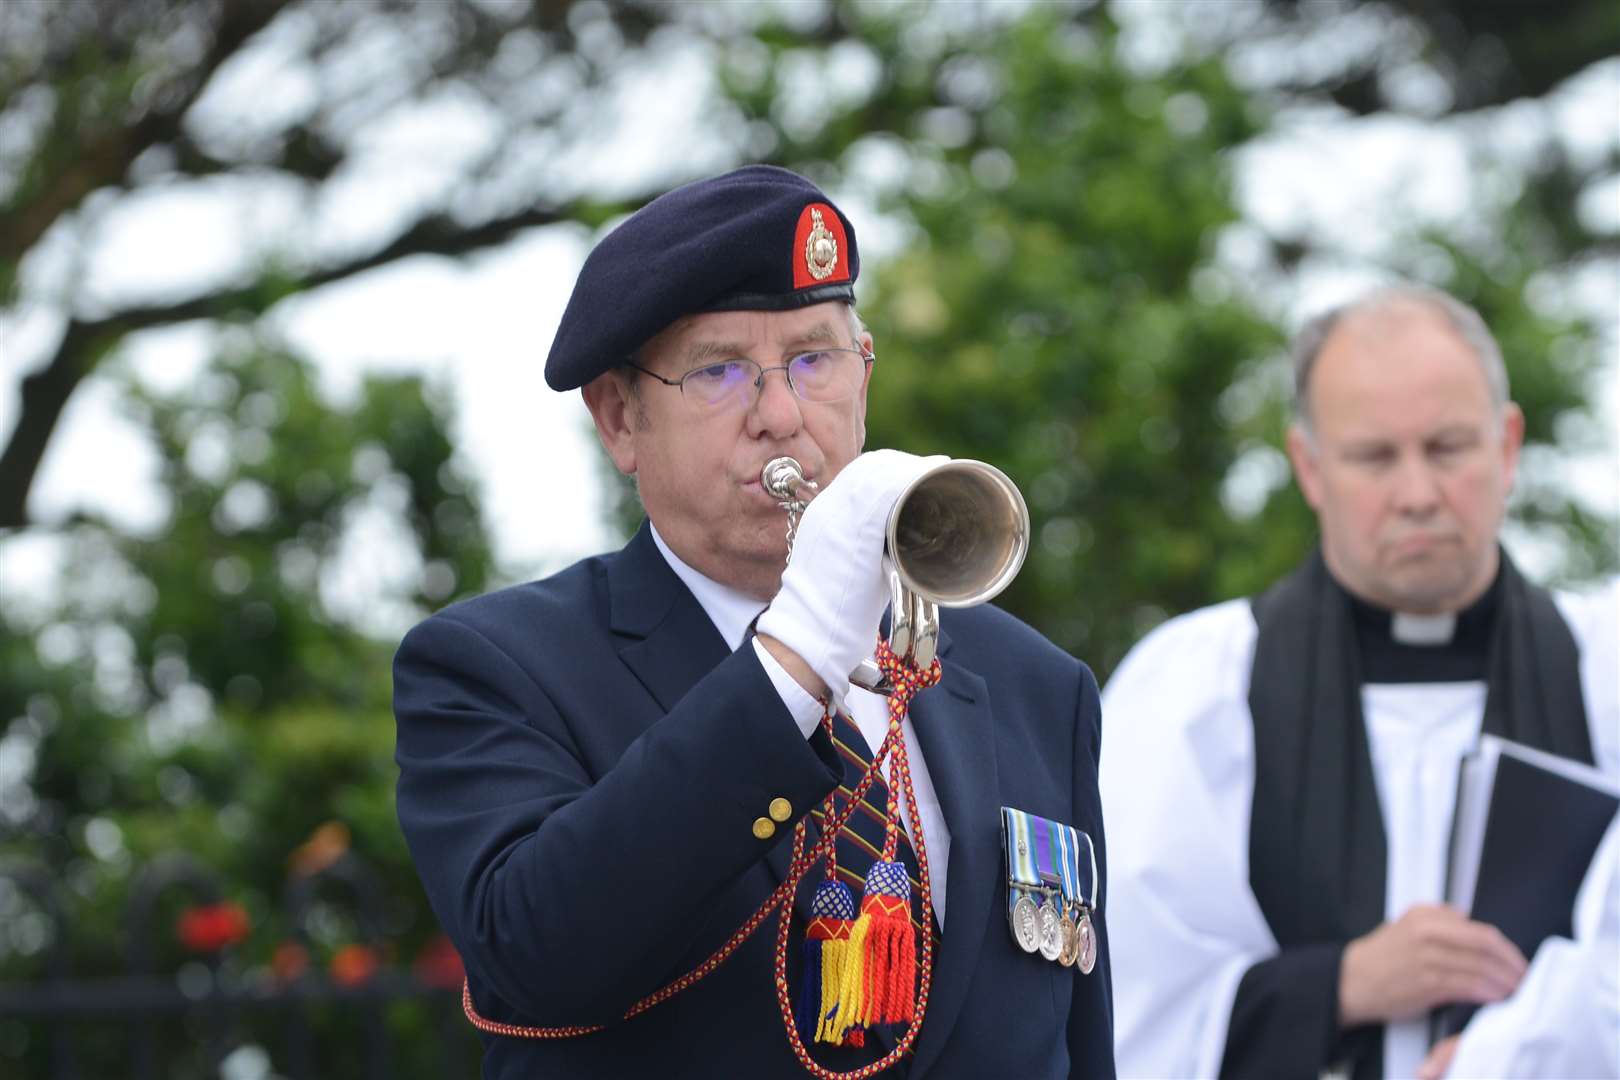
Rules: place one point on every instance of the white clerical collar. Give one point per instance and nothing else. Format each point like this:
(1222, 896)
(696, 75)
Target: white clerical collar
(1422, 629)
(731, 612)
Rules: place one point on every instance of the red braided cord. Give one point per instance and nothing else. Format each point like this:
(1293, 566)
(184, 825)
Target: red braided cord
(832, 802)
(908, 681)
(799, 866)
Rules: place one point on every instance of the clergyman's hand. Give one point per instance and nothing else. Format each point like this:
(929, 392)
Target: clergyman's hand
(1432, 955)
(1435, 1066)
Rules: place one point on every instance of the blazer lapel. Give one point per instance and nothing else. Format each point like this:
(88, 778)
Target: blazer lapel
(668, 641)
(665, 637)
(953, 724)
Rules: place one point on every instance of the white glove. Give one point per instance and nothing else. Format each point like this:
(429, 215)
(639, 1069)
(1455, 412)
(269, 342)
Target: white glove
(836, 586)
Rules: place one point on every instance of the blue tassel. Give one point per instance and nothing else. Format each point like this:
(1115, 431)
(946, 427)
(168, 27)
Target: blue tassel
(808, 1014)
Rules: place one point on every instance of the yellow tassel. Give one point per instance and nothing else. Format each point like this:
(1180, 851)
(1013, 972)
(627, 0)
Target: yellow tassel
(841, 997)
(834, 956)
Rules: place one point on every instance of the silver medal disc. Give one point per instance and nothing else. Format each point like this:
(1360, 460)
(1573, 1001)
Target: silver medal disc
(1026, 925)
(1088, 944)
(1051, 931)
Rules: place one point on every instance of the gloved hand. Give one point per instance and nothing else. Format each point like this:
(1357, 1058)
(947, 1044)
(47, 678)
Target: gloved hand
(835, 586)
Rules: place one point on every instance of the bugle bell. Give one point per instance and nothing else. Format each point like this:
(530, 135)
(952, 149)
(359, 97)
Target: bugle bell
(955, 537)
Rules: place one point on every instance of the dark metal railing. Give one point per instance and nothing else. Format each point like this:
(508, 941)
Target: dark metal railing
(217, 1002)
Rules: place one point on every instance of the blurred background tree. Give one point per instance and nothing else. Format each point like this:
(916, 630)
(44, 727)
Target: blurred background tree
(1061, 305)
(211, 690)
(1066, 273)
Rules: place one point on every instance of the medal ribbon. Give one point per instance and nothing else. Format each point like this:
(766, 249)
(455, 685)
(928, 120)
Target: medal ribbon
(1080, 868)
(1066, 862)
(1041, 851)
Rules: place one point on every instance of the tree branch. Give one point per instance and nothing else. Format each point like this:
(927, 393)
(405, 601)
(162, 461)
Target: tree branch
(105, 157)
(45, 392)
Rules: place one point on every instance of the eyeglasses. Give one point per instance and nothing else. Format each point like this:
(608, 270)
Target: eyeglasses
(822, 376)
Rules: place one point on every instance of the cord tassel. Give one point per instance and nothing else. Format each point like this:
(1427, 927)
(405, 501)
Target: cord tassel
(827, 955)
(889, 951)
(841, 997)
(808, 1012)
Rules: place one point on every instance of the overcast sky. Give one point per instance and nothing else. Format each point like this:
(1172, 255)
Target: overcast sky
(481, 328)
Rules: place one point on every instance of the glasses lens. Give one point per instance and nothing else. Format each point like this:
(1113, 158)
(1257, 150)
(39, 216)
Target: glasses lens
(828, 375)
(718, 383)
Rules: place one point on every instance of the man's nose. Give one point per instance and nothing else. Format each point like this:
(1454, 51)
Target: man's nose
(776, 408)
(1417, 489)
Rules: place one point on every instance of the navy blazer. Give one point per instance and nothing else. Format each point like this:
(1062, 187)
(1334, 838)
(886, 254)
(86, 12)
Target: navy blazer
(581, 764)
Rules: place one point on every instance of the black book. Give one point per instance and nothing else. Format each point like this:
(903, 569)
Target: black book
(1527, 825)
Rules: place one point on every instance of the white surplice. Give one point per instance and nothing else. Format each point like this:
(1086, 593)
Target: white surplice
(1177, 779)
(1563, 1020)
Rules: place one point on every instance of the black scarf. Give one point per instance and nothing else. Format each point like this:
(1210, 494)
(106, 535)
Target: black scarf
(1317, 855)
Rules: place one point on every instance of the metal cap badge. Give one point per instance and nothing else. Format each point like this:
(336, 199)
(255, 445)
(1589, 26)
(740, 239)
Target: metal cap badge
(818, 245)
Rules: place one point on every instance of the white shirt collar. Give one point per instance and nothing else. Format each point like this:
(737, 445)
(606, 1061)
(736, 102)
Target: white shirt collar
(732, 612)
(1422, 629)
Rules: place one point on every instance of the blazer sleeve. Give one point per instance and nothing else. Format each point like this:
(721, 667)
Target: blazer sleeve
(1091, 1012)
(573, 894)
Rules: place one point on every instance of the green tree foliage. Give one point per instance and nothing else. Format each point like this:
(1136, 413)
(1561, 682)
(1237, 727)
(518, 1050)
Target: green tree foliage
(210, 689)
(1045, 319)
(109, 103)
(1059, 309)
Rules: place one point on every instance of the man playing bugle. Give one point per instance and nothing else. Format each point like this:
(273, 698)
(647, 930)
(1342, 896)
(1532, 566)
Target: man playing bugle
(607, 775)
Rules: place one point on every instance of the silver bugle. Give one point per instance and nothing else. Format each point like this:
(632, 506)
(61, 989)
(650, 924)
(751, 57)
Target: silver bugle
(957, 534)
(955, 537)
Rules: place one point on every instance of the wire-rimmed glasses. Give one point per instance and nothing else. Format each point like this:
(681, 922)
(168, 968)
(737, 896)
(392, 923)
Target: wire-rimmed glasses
(820, 375)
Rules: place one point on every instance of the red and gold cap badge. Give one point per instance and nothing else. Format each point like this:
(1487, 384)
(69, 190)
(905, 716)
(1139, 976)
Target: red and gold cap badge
(819, 247)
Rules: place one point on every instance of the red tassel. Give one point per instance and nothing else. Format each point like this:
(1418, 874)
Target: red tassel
(890, 962)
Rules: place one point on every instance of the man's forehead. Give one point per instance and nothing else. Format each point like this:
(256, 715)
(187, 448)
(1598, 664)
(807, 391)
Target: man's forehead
(746, 331)
(1398, 322)
(1391, 349)
(1408, 376)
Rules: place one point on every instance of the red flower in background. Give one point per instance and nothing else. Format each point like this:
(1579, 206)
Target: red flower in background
(207, 928)
(438, 964)
(289, 961)
(353, 965)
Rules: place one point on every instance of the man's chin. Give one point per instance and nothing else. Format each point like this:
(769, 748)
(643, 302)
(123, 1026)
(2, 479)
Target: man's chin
(1435, 580)
(1424, 594)
(766, 553)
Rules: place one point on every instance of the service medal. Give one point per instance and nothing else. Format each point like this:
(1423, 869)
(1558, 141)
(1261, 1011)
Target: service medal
(1026, 924)
(1071, 941)
(1051, 931)
(1088, 944)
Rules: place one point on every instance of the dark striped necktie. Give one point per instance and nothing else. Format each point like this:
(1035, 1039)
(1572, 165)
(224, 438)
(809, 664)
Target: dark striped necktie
(860, 844)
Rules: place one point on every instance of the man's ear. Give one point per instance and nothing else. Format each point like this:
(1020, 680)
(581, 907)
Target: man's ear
(865, 341)
(1512, 440)
(1302, 453)
(608, 397)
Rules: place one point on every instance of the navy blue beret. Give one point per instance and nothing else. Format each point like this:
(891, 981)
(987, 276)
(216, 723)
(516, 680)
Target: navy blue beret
(757, 239)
